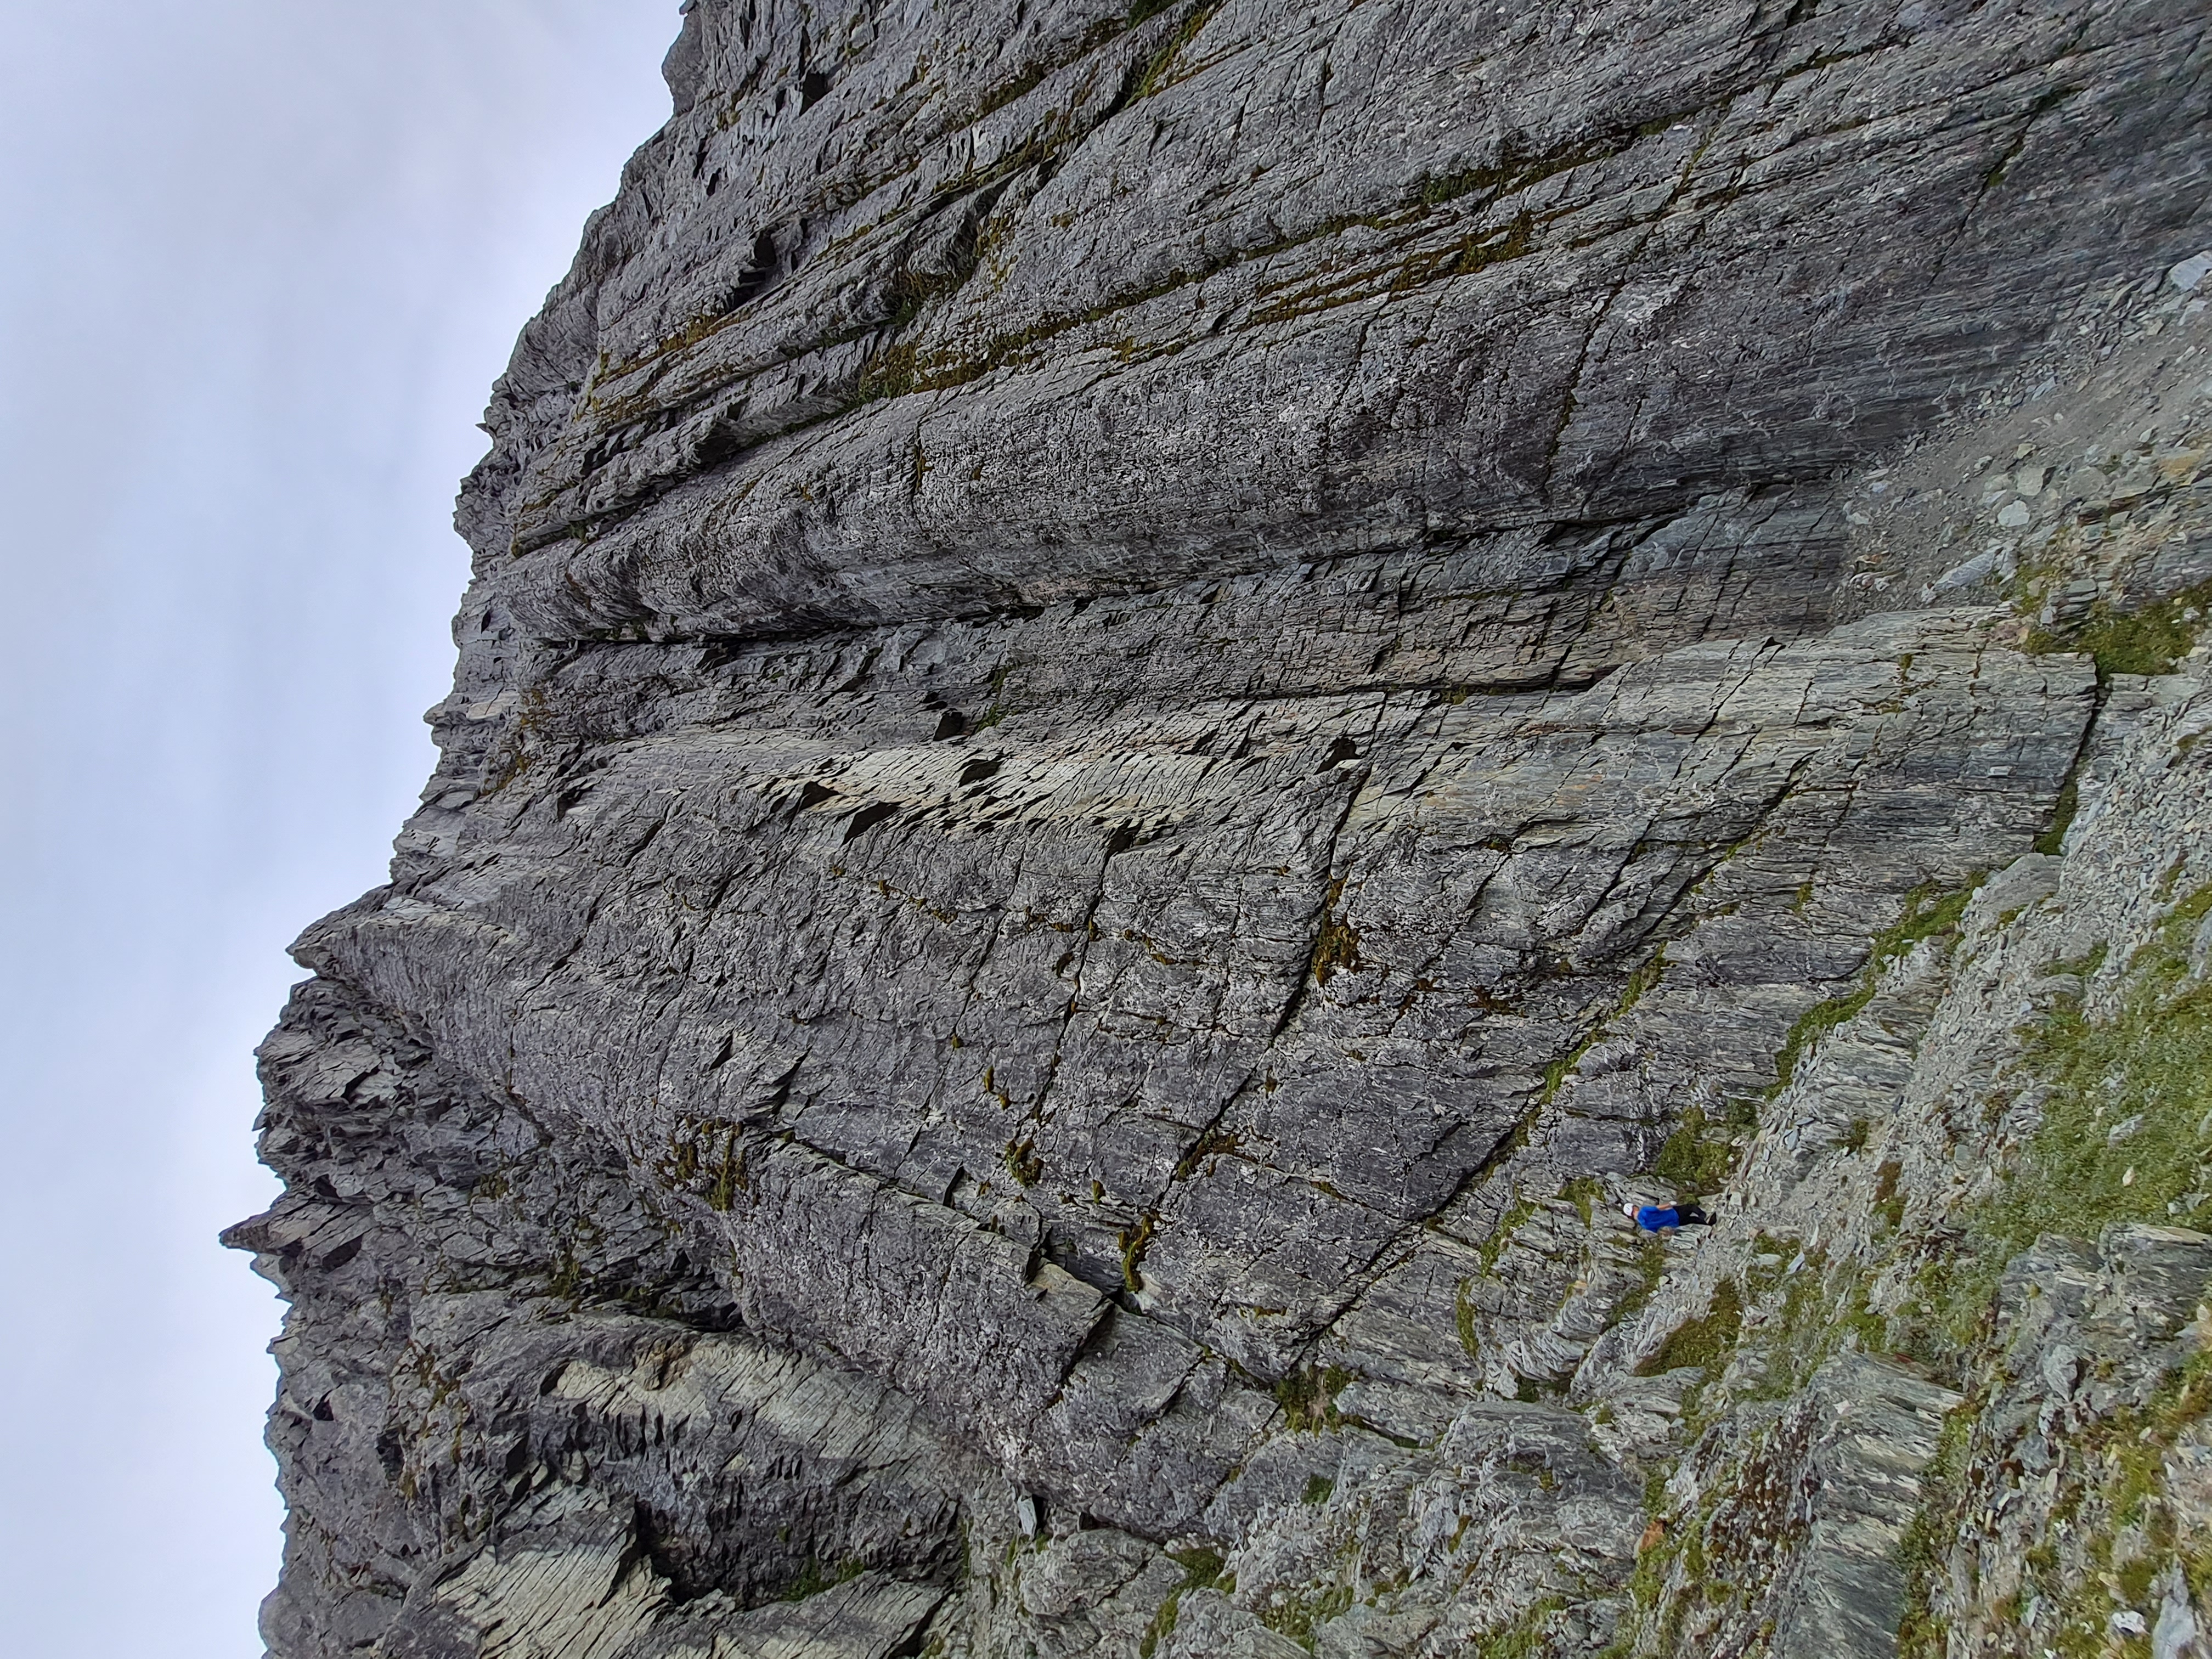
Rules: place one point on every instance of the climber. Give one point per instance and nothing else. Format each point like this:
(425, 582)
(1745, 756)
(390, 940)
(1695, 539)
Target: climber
(1658, 1219)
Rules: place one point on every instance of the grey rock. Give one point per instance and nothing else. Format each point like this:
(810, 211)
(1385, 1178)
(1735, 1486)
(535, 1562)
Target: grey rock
(2162, 1276)
(1152, 698)
(2175, 1635)
(1981, 565)
(1207, 1625)
(1877, 1434)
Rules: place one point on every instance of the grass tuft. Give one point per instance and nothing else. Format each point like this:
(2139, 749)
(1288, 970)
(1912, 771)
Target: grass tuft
(1705, 1343)
(2150, 640)
(1930, 912)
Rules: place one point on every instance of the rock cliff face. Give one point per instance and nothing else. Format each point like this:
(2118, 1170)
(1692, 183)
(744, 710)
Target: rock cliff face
(1154, 696)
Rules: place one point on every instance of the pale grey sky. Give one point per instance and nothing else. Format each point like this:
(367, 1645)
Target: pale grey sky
(261, 261)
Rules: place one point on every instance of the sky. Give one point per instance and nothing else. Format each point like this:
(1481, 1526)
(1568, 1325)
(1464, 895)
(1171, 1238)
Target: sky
(260, 261)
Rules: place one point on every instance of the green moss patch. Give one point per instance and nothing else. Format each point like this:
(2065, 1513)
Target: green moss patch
(2147, 641)
(1931, 912)
(814, 1578)
(2126, 1130)
(1202, 1569)
(1161, 71)
(1134, 1241)
(1646, 975)
(1698, 1156)
(1298, 1615)
(2124, 1458)
(1528, 1636)
(1586, 1193)
(1705, 1343)
(1337, 944)
(1464, 1313)
(1308, 1397)
(1516, 1216)
(1921, 1552)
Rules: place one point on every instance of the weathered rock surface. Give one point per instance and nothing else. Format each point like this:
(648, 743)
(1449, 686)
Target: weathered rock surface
(1153, 699)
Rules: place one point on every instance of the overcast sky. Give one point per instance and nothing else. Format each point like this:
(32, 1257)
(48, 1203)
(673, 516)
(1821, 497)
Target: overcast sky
(261, 260)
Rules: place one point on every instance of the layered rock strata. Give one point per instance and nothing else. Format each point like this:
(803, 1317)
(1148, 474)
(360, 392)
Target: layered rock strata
(1154, 697)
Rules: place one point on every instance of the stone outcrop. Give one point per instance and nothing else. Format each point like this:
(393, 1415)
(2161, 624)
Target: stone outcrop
(1155, 697)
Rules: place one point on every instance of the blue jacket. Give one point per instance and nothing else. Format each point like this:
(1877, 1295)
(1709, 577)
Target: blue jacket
(1651, 1217)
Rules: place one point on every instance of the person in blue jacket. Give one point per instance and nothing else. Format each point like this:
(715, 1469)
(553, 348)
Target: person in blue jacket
(1664, 1218)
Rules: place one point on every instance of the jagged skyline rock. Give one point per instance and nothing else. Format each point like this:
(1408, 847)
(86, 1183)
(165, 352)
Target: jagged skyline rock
(1151, 697)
